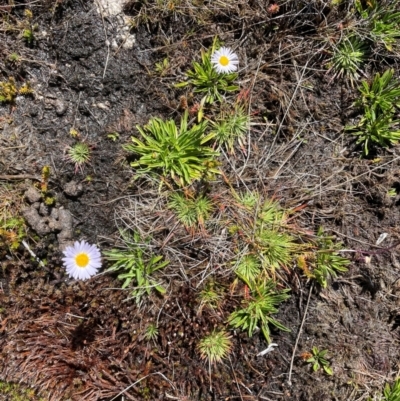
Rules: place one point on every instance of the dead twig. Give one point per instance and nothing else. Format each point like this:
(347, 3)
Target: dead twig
(20, 177)
(298, 336)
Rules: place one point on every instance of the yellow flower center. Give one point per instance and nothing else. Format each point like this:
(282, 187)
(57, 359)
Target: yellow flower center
(223, 60)
(82, 260)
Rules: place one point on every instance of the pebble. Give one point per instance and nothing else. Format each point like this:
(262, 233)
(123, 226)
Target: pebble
(44, 210)
(61, 107)
(35, 221)
(73, 188)
(33, 195)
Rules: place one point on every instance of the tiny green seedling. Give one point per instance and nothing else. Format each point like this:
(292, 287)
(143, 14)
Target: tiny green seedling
(12, 232)
(28, 28)
(248, 199)
(390, 393)
(318, 361)
(27, 34)
(215, 346)
(74, 132)
(48, 199)
(26, 89)
(379, 101)
(348, 57)
(79, 155)
(161, 68)
(257, 310)
(267, 233)
(210, 297)
(14, 58)
(191, 211)
(328, 262)
(273, 241)
(8, 91)
(113, 136)
(151, 332)
(231, 128)
(16, 392)
(248, 268)
(276, 247)
(135, 263)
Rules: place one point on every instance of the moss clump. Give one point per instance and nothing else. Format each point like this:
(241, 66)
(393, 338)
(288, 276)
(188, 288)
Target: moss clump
(15, 392)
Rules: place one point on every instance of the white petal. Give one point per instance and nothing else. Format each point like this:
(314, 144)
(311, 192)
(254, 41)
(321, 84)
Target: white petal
(232, 57)
(69, 260)
(94, 265)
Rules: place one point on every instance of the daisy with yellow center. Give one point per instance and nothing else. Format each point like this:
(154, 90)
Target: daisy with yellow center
(82, 260)
(224, 60)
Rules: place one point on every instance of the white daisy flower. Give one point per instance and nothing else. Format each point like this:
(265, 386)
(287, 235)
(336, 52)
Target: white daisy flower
(225, 60)
(82, 260)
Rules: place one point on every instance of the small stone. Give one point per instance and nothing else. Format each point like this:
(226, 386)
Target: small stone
(103, 106)
(61, 107)
(33, 195)
(73, 188)
(54, 225)
(129, 42)
(35, 221)
(44, 210)
(54, 214)
(114, 44)
(65, 224)
(65, 219)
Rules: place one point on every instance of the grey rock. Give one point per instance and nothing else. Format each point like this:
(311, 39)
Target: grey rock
(35, 221)
(61, 107)
(65, 219)
(44, 210)
(65, 224)
(60, 220)
(33, 195)
(73, 188)
(54, 214)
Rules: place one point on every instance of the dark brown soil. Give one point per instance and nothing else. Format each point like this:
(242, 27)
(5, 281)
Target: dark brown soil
(73, 340)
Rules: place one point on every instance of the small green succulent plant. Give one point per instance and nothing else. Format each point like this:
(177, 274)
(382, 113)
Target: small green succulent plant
(215, 346)
(181, 154)
(79, 154)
